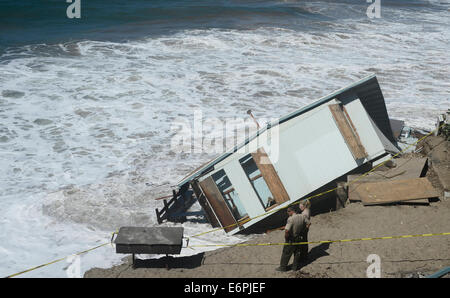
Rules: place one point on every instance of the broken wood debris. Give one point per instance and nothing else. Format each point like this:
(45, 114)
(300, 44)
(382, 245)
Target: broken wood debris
(384, 192)
(401, 169)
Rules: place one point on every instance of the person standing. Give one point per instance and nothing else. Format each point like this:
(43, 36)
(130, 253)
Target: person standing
(305, 211)
(293, 233)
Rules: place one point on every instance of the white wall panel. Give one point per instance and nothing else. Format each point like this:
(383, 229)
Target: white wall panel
(312, 153)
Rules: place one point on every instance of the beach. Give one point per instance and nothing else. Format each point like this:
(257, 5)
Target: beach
(408, 257)
(400, 258)
(102, 115)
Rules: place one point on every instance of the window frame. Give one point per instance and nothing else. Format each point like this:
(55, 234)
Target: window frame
(227, 197)
(242, 161)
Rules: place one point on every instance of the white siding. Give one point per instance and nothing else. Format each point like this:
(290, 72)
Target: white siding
(312, 153)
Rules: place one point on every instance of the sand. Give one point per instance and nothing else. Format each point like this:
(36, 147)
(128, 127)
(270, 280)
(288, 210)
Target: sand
(407, 257)
(410, 257)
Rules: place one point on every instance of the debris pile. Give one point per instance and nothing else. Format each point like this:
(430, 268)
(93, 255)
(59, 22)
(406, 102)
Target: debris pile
(403, 179)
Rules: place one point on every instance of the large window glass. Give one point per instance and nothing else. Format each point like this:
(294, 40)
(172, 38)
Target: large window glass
(229, 194)
(257, 180)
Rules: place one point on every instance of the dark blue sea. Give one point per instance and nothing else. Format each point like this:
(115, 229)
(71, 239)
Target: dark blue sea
(45, 21)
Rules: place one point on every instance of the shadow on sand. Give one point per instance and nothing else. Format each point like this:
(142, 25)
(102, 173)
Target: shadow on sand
(191, 262)
(315, 253)
(170, 262)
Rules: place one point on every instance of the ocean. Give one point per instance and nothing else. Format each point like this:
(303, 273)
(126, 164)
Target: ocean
(87, 105)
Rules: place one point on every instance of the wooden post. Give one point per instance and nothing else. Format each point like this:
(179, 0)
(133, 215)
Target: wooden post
(254, 119)
(341, 195)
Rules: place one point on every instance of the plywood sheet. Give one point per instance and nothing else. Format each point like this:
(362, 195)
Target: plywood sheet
(217, 202)
(406, 168)
(209, 213)
(383, 192)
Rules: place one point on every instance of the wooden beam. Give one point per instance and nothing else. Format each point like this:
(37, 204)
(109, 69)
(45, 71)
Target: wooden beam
(270, 175)
(348, 132)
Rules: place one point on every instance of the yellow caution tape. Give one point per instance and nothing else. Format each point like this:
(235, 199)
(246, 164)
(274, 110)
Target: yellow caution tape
(55, 261)
(318, 242)
(61, 259)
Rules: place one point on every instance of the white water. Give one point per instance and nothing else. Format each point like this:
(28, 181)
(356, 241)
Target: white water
(85, 133)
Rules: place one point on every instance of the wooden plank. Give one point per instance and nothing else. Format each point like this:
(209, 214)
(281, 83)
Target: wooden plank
(406, 168)
(384, 192)
(255, 178)
(270, 175)
(217, 202)
(350, 135)
(355, 132)
(228, 191)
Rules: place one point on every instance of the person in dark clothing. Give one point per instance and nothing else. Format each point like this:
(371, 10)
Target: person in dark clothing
(293, 232)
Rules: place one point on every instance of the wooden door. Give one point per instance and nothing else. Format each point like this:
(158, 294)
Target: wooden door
(202, 200)
(217, 202)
